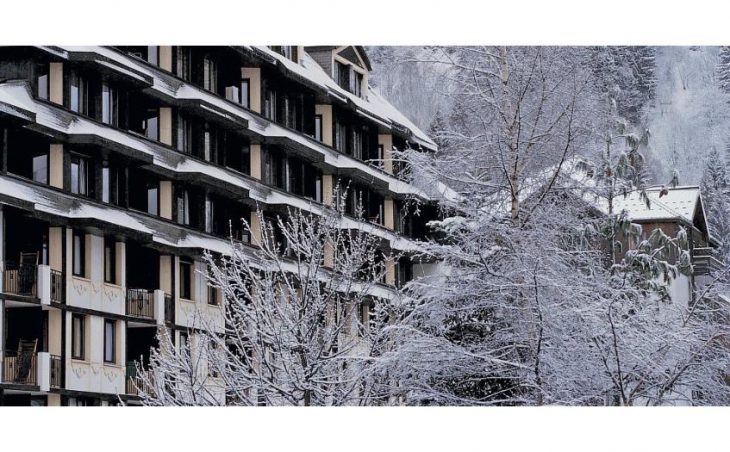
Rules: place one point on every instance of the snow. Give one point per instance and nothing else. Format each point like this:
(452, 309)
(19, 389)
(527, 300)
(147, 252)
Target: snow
(678, 203)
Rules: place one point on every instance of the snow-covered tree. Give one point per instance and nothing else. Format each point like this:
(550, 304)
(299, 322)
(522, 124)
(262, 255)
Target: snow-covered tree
(716, 193)
(304, 320)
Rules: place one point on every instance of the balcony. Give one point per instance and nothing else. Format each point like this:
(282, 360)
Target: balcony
(33, 282)
(20, 368)
(21, 280)
(705, 261)
(133, 383)
(140, 303)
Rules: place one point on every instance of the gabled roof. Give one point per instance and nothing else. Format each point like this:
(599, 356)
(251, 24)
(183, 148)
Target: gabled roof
(359, 49)
(664, 204)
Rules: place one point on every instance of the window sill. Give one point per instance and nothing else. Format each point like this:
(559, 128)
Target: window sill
(186, 300)
(81, 279)
(112, 285)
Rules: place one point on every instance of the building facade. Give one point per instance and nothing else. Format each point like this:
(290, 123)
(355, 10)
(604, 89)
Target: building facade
(121, 166)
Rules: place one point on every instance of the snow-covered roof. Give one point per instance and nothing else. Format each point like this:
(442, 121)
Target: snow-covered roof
(375, 104)
(676, 203)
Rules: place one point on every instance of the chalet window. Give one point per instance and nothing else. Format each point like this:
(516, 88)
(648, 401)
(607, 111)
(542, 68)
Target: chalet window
(210, 74)
(270, 104)
(182, 62)
(246, 93)
(110, 342)
(153, 55)
(109, 184)
(110, 260)
(42, 79)
(318, 127)
(79, 254)
(153, 199)
(184, 134)
(40, 168)
(183, 207)
(109, 105)
(78, 336)
(79, 175)
(186, 279)
(78, 94)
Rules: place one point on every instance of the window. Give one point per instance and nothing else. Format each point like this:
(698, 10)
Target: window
(110, 260)
(40, 168)
(182, 63)
(340, 137)
(270, 104)
(183, 207)
(186, 273)
(78, 94)
(183, 341)
(246, 93)
(110, 346)
(152, 199)
(213, 295)
(153, 55)
(210, 74)
(109, 184)
(79, 175)
(357, 84)
(78, 336)
(342, 75)
(42, 81)
(290, 113)
(150, 124)
(318, 127)
(274, 168)
(357, 144)
(79, 254)
(184, 134)
(209, 214)
(109, 105)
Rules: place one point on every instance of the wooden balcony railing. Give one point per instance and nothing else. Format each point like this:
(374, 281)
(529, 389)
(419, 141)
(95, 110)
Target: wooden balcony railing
(56, 371)
(20, 369)
(140, 303)
(20, 279)
(705, 260)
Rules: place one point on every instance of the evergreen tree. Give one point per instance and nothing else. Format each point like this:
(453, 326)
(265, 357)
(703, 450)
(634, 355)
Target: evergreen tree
(723, 69)
(715, 192)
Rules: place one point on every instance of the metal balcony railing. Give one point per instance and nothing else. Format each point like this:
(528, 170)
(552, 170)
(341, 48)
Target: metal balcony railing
(140, 303)
(58, 295)
(56, 381)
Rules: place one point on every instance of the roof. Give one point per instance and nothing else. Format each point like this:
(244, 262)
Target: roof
(676, 203)
(360, 50)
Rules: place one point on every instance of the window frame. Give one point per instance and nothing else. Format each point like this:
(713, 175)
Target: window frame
(186, 268)
(110, 340)
(78, 331)
(82, 165)
(79, 254)
(110, 265)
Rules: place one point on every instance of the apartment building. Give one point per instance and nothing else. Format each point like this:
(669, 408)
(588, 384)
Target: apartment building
(120, 166)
